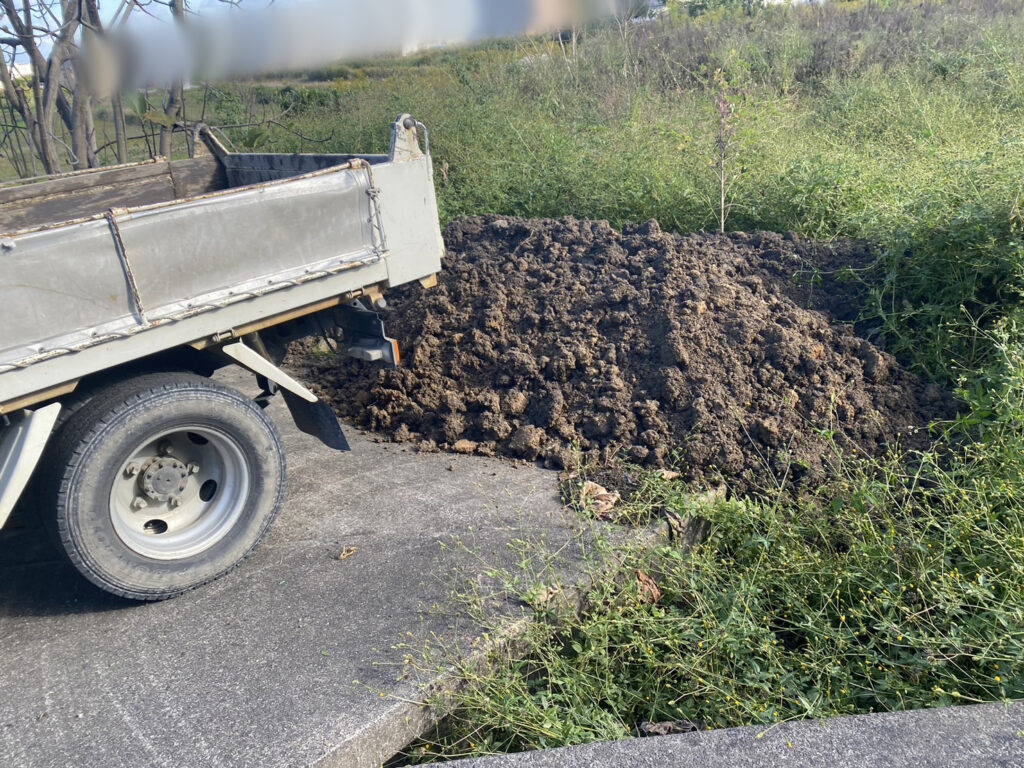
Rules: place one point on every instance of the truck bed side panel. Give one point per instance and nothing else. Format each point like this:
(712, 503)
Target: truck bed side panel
(66, 285)
(64, 281)
(53, 371)
(84, 194)
(202, 249)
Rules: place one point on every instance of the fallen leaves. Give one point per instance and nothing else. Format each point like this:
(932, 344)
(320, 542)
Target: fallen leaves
(648, 589)
(676, 525)
(599, 498)
(347, 552)
(668, 728)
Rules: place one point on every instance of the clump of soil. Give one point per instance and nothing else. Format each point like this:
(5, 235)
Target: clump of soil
(553, 340)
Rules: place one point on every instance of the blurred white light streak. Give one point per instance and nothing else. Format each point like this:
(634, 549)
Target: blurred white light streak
(246, 41)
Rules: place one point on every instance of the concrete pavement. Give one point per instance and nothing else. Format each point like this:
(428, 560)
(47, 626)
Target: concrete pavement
(258, 668)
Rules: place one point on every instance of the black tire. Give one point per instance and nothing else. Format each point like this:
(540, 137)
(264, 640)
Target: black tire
(92, 459)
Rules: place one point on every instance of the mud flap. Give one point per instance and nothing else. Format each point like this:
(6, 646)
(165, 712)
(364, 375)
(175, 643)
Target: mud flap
(316, 419)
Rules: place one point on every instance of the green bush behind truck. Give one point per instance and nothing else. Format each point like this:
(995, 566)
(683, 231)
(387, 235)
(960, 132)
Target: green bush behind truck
(123, 289)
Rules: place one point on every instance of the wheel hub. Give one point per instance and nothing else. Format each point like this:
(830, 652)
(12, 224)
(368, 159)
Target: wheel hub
(164, 479)
(180, 492)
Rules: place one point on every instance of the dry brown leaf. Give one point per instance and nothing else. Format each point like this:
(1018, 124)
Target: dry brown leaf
(604, 503)
(676, 524)
(347, 552)
(667, 728)
(668, 475)
(649, 592)
(599, 498)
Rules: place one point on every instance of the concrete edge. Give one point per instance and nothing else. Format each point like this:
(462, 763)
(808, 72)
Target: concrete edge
(407, 721)
(971, 736)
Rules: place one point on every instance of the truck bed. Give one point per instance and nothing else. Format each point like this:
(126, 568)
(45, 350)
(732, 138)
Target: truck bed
(81, 195)
(103, 267)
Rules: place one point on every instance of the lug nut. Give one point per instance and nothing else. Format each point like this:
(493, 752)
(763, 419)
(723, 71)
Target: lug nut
(165, 448)
(132, 469)
(173, 502)
(139, 504)
(193, 469)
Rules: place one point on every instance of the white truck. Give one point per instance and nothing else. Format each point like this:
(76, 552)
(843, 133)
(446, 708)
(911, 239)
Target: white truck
(122, 290)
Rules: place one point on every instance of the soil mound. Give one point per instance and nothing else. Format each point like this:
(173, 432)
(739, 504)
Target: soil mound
(551, 339)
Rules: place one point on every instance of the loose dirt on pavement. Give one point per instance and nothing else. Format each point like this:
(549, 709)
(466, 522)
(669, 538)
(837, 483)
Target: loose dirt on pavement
(562, 340)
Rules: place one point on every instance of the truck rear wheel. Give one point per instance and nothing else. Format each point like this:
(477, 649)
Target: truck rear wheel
(162, 483)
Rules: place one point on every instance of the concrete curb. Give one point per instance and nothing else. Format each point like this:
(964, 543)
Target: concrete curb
(382, 738)
(978, 736)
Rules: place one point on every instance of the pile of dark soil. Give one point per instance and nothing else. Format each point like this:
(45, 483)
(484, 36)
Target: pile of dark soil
(555, 339)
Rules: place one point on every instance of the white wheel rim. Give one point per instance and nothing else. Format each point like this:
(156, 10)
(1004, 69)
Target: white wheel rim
(180, 493)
